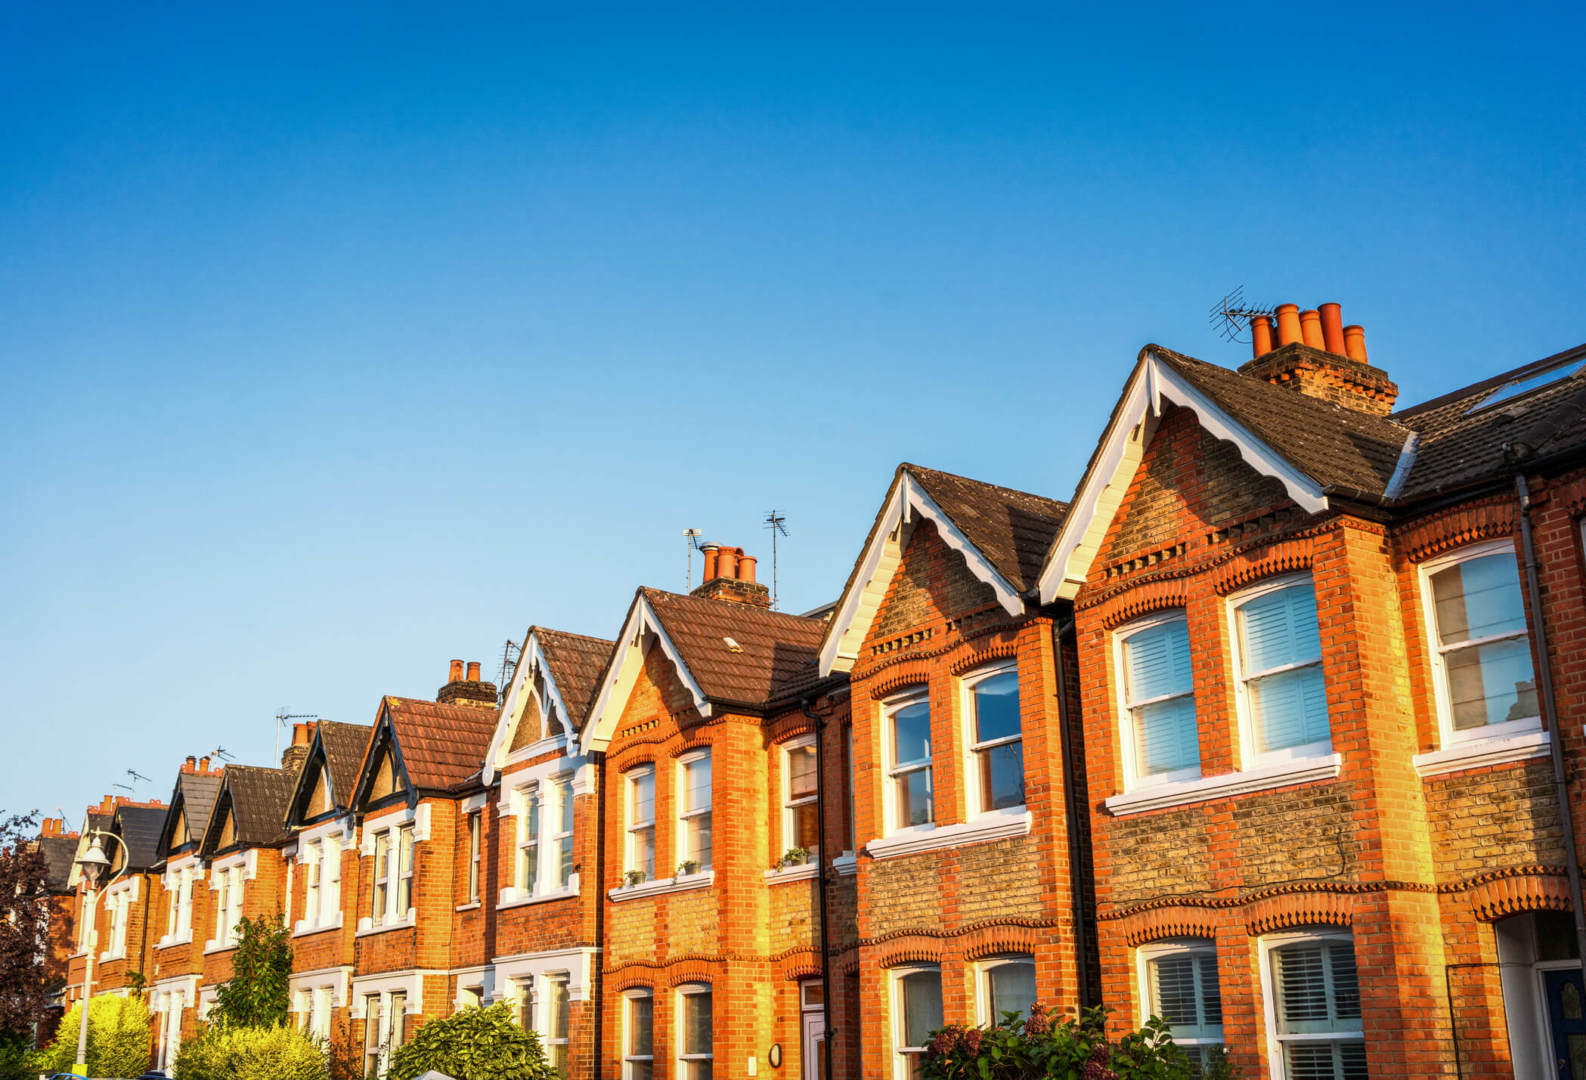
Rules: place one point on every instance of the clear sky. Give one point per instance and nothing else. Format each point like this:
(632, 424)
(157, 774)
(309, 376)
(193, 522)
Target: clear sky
(338, 342)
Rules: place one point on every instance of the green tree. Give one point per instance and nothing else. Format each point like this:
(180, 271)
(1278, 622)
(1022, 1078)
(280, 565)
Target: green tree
(473, 1044)
(251, 1053)
(259, 990)
(118, 1038)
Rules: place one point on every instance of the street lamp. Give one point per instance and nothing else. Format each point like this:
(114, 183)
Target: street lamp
(93, 865)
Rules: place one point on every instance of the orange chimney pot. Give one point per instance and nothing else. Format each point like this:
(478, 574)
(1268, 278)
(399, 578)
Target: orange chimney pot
(746, 564)
(1260, 335)
(192, 763)
(1288, 324)
(710, 551)
(1311, 328)
(727, 562)
(1355, 343)
(473, 671)
(456, 673)
(300, 734)
(203, 764)
(1332, 329)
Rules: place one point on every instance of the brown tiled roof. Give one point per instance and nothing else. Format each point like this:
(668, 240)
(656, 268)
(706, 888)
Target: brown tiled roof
(577, 663)
(258, 798)
(442, 746)
(344, 746)
(776, 652)
(1345, 451)
(1011, 528)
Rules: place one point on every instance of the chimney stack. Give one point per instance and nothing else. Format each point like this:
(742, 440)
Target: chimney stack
(467, 689)
(1320, 357)
(302, 736)
(729, 576)
(191, 764)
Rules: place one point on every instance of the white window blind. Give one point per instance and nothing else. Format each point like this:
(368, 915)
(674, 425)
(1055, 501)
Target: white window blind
(1318, 1010)
(1183, 989)
(1281, 667)
(1159, 697)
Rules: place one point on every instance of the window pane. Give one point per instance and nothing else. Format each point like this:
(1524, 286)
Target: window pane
(1289, 709)
(1478, 598)
(641, 1011)
(997, 707)
(1012, 989)
(1211, 991)
(564, 804)
(1346, 986)
(642, 796)
(1278, 628)
(1156, 661)
(644, 851)
(697, 833)
(801, 772)
(559, 1008)
(1325, 1061)
(531, 814)
(696, 1023)
(921, 992)
(911, 733)
(1173, 990)
(1002, 776)
(564, 862)
(697, 1070)
(1492, 683)
(1165, 737)
(1302, 987)
(914, 798)
(698, 784)
(805, 832)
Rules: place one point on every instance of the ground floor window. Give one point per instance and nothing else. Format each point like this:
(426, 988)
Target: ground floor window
(916, 1011)
(1007, 985)
(1313, 1005)
(638, 1035)
(695, 1032)
(1179, 984)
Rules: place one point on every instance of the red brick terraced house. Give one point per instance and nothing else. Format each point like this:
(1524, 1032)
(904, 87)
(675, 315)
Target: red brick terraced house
(1320, 722)
(417, 788)
(532, 850)
(177, 968)
(127, 901)
(321, 886)
(702, 729)
(967, 851)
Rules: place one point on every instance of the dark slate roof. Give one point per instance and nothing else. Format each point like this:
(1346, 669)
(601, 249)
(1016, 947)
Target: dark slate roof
(442, 746)
(777, 652)
(139, 828)
(1347, 452)
(59, 854)
(1013, 529)
(344, 746)
(194, 795)
(577, 663)
(258, 798)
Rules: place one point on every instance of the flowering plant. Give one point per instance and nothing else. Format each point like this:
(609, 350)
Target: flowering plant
(1038, 1047)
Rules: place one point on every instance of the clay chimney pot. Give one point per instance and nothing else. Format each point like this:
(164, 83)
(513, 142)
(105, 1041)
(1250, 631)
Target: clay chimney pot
(727, 562)
(1355, 343)
(300, 734)
(473, 671)
(1332, 329)
(1260, 336)
(746, 564)
(1311, 328)
(710, 551)
(192, 763)
(456, 674)
(203, 764)
(1288, 324)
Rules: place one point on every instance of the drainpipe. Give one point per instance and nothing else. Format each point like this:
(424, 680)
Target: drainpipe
(1076, 877)
(820, 880)
(1550, 716)
(597, 976)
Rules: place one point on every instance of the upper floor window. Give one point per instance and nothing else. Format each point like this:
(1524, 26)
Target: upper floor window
(179, 914)
(473, 857)
(321, 881)
(1179, 984)
(1006, 984)
(528, 871)
(694, 1026)
(1278, 668)
(995, 739)
(848, 785)
(393, 874)
(1313, 1006)
(120, 909)
(916, 1012)
(1481, 647)
(694, 808)
(800, 814)
(544, 810)
(638, 1035)
(907, 728)
(228, 905)
(1160, 741)
(562, 831)
(640, 783)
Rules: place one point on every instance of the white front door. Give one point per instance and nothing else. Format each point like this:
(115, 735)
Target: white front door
(814, 1046)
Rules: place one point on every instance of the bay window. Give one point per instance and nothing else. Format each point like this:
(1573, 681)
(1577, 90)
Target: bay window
(321, 860)
(907, 728)
(392, 896)
(641, 822)
(995, 739)
(528, 873)
(1160, 741)
(1313, 1006)
(1278, 667)
(558, 1006)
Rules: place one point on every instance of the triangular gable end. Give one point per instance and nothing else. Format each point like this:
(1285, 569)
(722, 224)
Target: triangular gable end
(1107, 479)
(312, 794)
(220, 831)
(383, 773)
(641, 632)
(907, 502)
(531, 679)
(174, 832)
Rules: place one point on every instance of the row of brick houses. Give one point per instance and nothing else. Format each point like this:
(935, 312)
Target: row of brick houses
(1265, 731)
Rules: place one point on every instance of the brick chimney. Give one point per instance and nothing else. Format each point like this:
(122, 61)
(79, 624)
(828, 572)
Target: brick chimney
(466, 687)
(293, 756)
(729, 576)
(54, 826)
(1314, 353)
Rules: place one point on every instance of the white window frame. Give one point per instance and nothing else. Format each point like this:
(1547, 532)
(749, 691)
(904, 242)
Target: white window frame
(685, 816)
(789, 805)
(321, 859)
(684, 992)
(1160, 950)
(391, 874)
(1133, 778)
(628, 1056)
(554, 1043)
(227, 886)
(1447, 733)
(983, 970)
(562, 788)
(973, 749)
(179, 887)
(1275, 1042)
(1249, 756)
(901, 1052)
(529, 801)
(631, 824)
(474, 823)
(536, 804)
(892, 773)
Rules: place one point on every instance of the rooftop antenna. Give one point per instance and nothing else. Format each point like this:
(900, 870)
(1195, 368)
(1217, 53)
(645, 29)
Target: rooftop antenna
(136, 776)
(281, 718)
(777, 524)
(691, 540)
(220, 752)
(511, 652)
(1231, 315)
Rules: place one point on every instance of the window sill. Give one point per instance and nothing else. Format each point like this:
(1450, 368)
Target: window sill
(1475, 753)
(366, 926)
(996, 825)
(800, 872)
(302, 928)
(169, 942)
(1228, 785)
(212, 947)
(846, 864)
(106, 957)
(663, 885)
(536, 898)
(472, 905)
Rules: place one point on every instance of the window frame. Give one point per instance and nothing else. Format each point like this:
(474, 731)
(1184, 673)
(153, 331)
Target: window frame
(692, 813)
(526, 876)
(1167, 948)
(892, 771)
(683, 1058)
(373, 1048)
(392, 883)
(1436, 652)
(1133, 778)
(558, 1014)
(790, 807)
(560, 845)
(631, 823)
(629, 998)
(983, 994)
(973, 750)
(902, 1069)
(475, 854)
(1250, 757)
(1266, 946)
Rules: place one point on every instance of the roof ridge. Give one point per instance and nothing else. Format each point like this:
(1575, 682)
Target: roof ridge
(983, 483)
(719, 605)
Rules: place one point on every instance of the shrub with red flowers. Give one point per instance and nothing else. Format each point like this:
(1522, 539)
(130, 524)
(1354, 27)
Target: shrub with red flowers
(1040, 1046)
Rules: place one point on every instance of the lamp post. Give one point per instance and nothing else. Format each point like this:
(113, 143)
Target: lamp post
(93, 865)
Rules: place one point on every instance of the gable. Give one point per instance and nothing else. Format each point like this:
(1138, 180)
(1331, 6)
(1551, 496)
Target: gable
(319, 801)
(641, 633)
(228, 830)
(932, 584)
(527, 730)
(179, 832)
(386, 780)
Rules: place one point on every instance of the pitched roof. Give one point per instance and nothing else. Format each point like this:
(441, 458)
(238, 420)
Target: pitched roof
(194, 797)
(139, 828)
(258, 798)
(576, 662)
(1011, 528)
(344, 746)
(59, 852)
(775, 655)
(442, 746)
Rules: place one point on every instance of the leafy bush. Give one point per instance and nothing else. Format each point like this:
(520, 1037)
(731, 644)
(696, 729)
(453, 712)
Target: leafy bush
(259, 990)
(118, 1038)
(250, 1053)
(17, 1060)
(1038, 1048)
(473, 1044)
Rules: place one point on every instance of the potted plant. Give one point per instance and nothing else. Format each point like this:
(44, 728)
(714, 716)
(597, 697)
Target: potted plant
(634, 877)
(687, 867)
(795, 856)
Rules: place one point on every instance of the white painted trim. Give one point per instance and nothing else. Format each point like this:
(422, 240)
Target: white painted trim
(799, 872)
(336, 978)
(1226, 785)
(578, 964)
(1265, 945)
(1475, 753)
(641, 630)
(343, 825)
(1401, 471)
(1123, 445)
(682, 883)
(879, 560)
(410, 982)
(474, 802)
(367, 926)
(845, 864)
(531, 659)
(299, 929)
(511, 898)
(996, 825)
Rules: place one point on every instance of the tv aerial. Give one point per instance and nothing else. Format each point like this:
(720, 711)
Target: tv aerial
(691, 541)
(1231, 315)
(282, 718)
(777, 524)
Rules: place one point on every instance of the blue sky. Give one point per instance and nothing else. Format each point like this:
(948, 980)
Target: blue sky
(340, 341)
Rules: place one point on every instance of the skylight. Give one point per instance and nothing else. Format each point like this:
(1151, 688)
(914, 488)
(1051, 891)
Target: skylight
(1526, 383)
